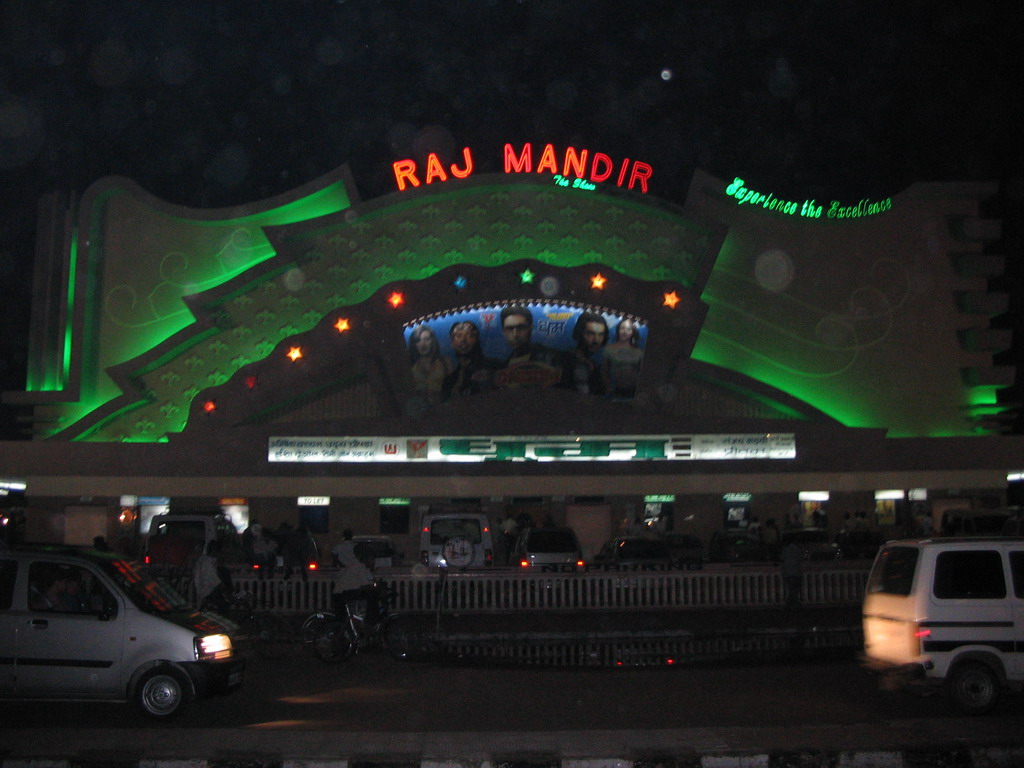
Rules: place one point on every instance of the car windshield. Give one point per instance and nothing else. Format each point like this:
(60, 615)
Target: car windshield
(148, 592)
(893, 573)
(551, 541)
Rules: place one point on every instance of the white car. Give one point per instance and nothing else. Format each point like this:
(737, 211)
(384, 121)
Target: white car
(948, 611)
(87, 625)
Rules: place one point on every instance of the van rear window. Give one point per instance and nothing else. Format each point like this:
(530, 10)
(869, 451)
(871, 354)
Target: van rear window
(974, 574)
(893, 573)
(442, 530)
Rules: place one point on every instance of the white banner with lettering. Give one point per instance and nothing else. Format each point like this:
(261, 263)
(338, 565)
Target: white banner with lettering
(533, 448)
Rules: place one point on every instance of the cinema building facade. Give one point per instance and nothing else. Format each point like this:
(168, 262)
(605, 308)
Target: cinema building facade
(550, 338)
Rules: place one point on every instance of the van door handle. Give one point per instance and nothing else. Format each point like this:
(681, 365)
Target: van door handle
(39, 623)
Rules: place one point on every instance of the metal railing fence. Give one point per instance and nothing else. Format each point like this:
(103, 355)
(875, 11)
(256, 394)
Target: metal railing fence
(511, 590)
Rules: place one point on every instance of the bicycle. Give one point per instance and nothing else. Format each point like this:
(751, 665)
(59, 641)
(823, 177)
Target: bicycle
(333, 638)
(270, 635)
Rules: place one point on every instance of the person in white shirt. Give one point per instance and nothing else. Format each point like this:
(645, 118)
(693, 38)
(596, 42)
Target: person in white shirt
(206, 578)
(354, 582)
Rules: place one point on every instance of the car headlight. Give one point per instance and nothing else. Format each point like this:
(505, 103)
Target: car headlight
(212, 647)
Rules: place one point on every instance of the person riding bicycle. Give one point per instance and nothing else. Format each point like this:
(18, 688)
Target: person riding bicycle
(212, 581)
(354, 582)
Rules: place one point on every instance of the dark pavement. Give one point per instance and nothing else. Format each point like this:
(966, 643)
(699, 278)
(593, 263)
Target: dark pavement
(728, 633)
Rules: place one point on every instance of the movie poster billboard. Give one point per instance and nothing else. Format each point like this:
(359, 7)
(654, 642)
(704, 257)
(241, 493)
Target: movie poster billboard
(464, 352)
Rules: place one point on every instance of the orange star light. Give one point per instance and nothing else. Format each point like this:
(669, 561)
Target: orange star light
(597, 281)
(671, 299)
(294, 353)
(396, 299)
(342, 325)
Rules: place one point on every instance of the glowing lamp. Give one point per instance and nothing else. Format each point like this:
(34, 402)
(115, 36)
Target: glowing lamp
(597, 282)
(342, 325)
(294, 353)
(671, 299)
(396, 299)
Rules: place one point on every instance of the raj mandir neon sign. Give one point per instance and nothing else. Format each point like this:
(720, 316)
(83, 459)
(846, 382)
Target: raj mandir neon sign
(809, 208)
(579, 169)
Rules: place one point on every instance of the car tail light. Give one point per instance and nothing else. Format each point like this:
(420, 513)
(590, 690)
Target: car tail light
(147, 559)
(312, 566)
(488, 557)
(580, 564)
(524, 563)
(918, 636)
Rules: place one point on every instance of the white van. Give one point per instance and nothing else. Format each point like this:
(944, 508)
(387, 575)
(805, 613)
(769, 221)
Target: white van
(456, 540)
(949, 611)
(85, 625)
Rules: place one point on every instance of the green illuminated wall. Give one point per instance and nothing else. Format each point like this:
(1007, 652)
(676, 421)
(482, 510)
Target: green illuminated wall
(856, 319)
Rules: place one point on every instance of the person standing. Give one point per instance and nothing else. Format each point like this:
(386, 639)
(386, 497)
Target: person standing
(792, 573)
(207, 580)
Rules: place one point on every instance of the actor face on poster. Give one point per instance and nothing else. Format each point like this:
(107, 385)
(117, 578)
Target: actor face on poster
(512, 346)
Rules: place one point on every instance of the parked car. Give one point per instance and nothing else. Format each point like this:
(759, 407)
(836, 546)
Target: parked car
(686, 549)
(814, 542)
(973, 522)
(456, 540)
(858, 544)
(948, 613)
(87, 625)
(549, 549)
(634, 553)
(738, 546)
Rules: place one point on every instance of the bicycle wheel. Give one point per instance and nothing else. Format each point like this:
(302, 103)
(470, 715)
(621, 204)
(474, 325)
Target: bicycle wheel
(403, 640)
(334, 642)
(272, 635)
(312, 627)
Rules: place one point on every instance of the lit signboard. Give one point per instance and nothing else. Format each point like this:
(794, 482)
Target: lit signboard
(581, 169)
(532, 448)
(809, 209)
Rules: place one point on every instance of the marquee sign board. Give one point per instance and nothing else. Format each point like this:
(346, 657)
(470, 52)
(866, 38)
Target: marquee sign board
(532, 448)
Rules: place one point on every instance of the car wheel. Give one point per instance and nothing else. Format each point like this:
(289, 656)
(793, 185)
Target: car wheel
(974, 688)
(163, 693)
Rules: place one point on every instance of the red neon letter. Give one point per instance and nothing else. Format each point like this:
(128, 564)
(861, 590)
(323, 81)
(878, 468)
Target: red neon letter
(518, 164)
(622, 172)
(602, 175)
(434, 169)
(405, 170)
(461, 173)
(547, 160)
(575, 163)
(641, 172)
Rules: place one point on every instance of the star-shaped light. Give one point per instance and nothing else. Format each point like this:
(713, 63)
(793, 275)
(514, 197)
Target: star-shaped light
(210, 406)
(671, 299)
(460, 282)
(396, 299)
(526, 276)
(597, 282)
(294, 353)
(342, 325)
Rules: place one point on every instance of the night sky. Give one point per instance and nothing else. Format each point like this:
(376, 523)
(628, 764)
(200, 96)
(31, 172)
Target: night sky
(210, 103)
